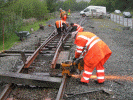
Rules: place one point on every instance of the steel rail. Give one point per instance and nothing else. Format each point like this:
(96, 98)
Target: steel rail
(8, 87)
(6, 91)
(56, 53)
(63, 84)
(62, 88)
(35, 54)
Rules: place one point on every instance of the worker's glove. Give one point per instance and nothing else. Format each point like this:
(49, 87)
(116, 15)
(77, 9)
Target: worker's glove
(72, 70)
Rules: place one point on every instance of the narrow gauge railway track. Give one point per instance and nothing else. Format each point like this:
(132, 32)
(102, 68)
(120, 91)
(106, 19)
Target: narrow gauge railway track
(53, 45)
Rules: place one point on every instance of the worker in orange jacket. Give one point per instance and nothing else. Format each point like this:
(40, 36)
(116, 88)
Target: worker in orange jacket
(94, 52)
(75, 27)
(68, 12)
(61, 26)
(63, 14)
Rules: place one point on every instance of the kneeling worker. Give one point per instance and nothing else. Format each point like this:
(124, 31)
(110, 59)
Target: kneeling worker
(94, 52)
(61, 26)
(76, 27)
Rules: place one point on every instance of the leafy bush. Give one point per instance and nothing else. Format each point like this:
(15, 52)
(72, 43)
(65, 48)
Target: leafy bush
(12, 14)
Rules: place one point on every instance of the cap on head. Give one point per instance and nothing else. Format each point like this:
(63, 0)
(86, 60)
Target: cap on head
(71, 24)
(60, 9)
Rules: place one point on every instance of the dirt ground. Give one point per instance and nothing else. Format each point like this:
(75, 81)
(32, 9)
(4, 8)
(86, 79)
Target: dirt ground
(119, 64)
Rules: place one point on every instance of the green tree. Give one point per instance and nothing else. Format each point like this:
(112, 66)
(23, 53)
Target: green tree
(13, 13)
(51, 4)
(70, 4)
(82, 5)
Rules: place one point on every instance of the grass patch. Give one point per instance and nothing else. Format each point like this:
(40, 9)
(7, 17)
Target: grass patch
(15, 39)
(9, 43)
(35, 26)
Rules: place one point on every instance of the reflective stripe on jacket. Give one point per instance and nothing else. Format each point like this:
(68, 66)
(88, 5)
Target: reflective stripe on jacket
(79, 28)
(96, 48)
(59, 23)
(62, 13)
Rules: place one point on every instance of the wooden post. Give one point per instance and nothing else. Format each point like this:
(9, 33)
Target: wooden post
(3, 36)
(23, 56)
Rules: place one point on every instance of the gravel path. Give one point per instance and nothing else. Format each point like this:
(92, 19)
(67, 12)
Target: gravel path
(120, 63)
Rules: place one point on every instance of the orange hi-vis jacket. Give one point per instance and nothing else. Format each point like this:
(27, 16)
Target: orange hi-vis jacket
(62, 13)
(59, 23)
(96, 48)
(69, 10)
(79, 28)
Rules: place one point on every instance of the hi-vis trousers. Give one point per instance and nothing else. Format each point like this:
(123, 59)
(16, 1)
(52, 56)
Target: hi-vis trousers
(88, 72)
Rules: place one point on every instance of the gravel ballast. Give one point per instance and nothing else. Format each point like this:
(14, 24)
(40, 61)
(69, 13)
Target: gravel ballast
(119, 64)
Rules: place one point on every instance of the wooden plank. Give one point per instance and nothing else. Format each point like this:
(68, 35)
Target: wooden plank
(18, 51)
(2, 55)
(27, 79)
(66, 47)
(63, 56)
(68, 44)
(47, 52)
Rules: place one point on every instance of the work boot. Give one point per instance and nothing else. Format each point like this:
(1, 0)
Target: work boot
(97, 82)
(81, 83)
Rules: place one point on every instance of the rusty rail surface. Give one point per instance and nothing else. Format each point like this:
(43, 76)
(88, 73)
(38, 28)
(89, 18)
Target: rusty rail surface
(29, 61)
(58, 50)
(34, 55)
(62, 88)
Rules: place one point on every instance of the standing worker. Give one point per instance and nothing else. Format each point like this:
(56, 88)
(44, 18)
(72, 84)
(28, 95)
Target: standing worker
(94, 52)
(61, 26)
(63, 14)
(75, 27)
(68, 12)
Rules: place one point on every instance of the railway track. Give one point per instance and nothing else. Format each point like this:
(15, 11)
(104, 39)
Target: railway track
(40, 68)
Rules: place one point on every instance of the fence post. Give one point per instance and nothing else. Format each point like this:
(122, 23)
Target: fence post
(123, 21)
(116, 18)
(113, 18)
(119, 19)
(92, 14)
(3, 36)
(132, 24)
(127, 21)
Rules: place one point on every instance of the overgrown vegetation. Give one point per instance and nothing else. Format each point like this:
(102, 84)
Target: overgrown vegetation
(14, 12)
(72, 4)
(14, 39)
(112, 5)
(13, 15)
